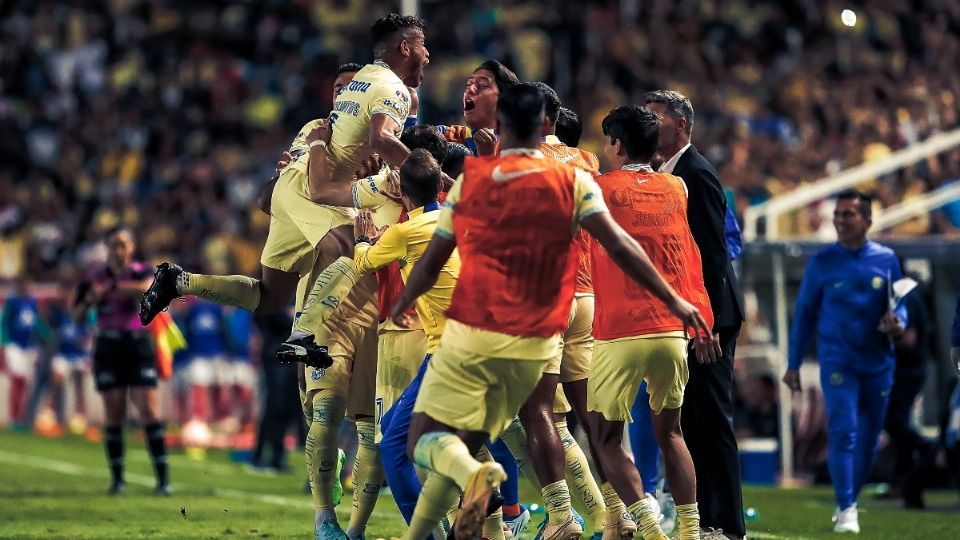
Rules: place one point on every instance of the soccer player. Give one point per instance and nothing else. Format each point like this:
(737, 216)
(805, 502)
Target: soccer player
(546, 409)
(19, 337)
(844, 299)
(480, 108)
(205, 331)
(568, 127)
(240, 376)
(638, 337)
(368, 113)
(71, 360)
(124, 365)
(513, 218)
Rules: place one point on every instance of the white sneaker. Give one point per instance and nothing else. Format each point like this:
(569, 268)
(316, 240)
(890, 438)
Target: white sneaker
(847, 520)
(654, 506)
(668, 519)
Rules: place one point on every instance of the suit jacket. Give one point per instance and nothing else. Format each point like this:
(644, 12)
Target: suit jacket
(706, 211)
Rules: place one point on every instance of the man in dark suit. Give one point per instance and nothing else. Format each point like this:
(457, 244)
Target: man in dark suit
(707, 412)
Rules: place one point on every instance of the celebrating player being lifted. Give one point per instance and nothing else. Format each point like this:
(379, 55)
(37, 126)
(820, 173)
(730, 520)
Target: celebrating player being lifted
(509, 306)
(368, 114)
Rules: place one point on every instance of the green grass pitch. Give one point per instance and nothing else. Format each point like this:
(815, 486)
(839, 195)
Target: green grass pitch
(56, 488)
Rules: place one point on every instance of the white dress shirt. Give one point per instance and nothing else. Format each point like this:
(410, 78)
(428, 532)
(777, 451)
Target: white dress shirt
(669, 164)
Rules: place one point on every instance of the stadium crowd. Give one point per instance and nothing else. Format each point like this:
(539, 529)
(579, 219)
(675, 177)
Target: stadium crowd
(115, 111)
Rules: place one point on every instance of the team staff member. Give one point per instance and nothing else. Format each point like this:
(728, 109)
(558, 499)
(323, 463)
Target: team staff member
(707, 427)
(844, 299)
(124, 365)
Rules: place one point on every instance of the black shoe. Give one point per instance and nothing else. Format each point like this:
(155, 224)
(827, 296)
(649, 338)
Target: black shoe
(161, 292)
(117, 488)
(163, 491)
(304, 350)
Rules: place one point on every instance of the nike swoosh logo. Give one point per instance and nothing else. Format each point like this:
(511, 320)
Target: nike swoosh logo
(500, 176)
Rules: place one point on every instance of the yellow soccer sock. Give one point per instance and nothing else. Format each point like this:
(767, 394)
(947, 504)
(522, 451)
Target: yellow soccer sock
(580, 479)
(615, 506)
(238, 291)
(439, 493)
(367, 479)
(493, 526)
(689, 520)
(321, 450)
(515, 437)
(556, 501)
(444, 453)
(647, 524)
(330, 288)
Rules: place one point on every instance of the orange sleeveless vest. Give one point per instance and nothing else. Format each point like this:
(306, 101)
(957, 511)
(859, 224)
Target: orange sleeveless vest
(514, 234)
(652, 208)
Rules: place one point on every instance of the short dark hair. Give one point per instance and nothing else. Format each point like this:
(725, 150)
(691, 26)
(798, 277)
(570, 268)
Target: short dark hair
(117, 229)
(864, 201)
(552, 103)
(452, 163)
(637, 128)
(677, 104)
(569, 128)
(501, 74)
(349, 67)
(392, 23)
(420, 177)
(426, 137)
(520, 110)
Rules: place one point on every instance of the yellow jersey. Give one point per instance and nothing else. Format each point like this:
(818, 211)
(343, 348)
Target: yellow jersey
(406, 242)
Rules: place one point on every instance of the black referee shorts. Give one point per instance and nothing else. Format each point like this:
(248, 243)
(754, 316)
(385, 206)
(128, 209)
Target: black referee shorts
(122, 359)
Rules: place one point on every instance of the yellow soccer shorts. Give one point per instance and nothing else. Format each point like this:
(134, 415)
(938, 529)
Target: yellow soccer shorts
(469, 391)
(353, 374)
(399, 356)
(619, 365)
(578, 341)
(297, 225)
(560, 403)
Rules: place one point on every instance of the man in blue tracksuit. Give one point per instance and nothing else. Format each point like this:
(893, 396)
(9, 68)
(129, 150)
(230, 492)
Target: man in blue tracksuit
(845, 300)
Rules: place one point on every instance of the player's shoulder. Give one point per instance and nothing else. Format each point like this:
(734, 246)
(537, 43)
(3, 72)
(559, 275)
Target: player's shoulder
(880, 250)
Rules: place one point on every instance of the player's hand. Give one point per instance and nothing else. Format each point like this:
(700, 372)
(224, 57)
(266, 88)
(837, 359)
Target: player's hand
(792, 379)
(363, 225)
(955, 358)
(890, 324)
(285, 160)
(393, 191)
(369, 167)
(456, 134)
(691, 317)
(403, 320)
(319, 133)
(707, 348)
(486, 142)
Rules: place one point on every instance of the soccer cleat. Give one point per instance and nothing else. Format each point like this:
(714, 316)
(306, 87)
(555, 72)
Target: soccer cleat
(329, 530)
(337, 485)
(304, 350)
(476, 501)
(117, 488)
(570, 530)
(668, 516)
(495, 502)
(541, 529)
(517, 524)
(162, 491)
(847, 520)
(624, 528)
(162, 291)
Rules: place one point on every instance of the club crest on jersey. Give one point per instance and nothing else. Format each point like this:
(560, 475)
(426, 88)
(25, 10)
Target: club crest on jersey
(317, 373)
(836, 379)
(877, 282)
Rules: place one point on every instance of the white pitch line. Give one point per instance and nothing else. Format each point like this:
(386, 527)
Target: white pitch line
(65, 467)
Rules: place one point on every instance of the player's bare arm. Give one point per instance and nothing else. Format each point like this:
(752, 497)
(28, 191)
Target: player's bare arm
(384, 139)
(423, 276)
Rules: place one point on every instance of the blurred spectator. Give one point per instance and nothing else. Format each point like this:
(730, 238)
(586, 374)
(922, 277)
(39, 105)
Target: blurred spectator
(756, 413)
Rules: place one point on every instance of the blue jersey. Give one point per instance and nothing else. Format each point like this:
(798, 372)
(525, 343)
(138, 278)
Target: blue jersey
(239, 324)
(205, 329)
(843, 296)
(21, 319)
(71, 336)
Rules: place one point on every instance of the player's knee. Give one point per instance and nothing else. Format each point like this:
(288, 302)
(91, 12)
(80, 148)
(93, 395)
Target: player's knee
(328, 411)
(842, 439)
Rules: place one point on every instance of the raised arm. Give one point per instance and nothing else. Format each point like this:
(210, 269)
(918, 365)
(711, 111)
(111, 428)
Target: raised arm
(385, 141)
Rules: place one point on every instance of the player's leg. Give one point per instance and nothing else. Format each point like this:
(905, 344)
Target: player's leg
(515, 516)
(536, 415)
(399, 469)
(841, 396)
(115, 416)
(872, 410)
(361, 407)
(615, 377)
(18, 369)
